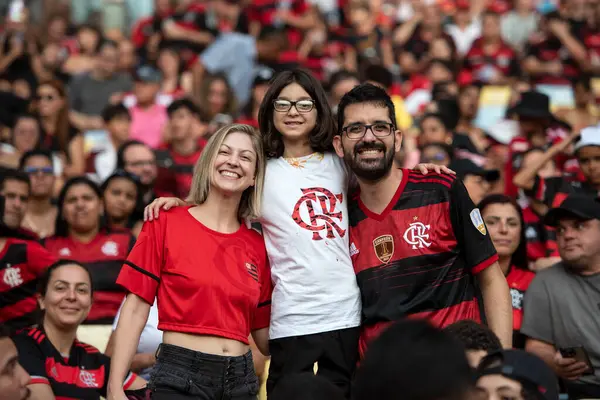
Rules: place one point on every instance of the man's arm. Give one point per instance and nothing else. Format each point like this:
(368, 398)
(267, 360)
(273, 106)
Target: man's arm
(497, 303)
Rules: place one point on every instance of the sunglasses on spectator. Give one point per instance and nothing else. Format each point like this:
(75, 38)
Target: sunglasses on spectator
(34, 170)
(302, 106)
(47, 97)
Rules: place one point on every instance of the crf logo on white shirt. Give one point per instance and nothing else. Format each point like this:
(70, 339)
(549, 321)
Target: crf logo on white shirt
(12, 276)
(416, 235)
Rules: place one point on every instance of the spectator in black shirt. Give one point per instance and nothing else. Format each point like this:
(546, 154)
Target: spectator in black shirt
(13, 378)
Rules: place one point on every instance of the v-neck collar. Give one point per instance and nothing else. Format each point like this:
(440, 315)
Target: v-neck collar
(381, 216)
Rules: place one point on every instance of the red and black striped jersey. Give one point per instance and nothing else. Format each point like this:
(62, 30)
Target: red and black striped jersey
(175, 171)
(480, 63)
(104, 256)
(552, 191)
(21, 263)
(419, 257)
(82, 374)
(518, 281)
(541, 239)
(265, 13)
(546, 49)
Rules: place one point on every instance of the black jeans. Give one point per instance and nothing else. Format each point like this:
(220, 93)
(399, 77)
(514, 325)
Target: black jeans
(336, 353)
(181, 373)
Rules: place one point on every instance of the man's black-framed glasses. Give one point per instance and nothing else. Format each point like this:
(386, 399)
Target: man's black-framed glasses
(302, 106)
(358, 131)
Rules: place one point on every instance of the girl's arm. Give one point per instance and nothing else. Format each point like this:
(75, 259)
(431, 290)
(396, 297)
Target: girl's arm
(134, 316)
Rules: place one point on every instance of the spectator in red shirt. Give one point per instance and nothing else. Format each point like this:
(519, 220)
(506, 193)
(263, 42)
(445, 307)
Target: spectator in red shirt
(205, 352)
(490, 60)
(503, 218)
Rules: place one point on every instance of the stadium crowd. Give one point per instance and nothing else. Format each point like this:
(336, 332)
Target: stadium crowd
(216, 198)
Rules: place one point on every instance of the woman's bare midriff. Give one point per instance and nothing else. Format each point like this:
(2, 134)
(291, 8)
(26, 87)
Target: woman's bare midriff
(206, 344)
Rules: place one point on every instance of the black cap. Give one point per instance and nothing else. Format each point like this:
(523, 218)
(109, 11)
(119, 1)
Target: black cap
(147, 73)
(464, 167)
(263, 75)
(527, 369)
(580, 206)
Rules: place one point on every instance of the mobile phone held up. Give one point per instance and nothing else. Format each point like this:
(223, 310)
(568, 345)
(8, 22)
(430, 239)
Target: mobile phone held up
(580, 354)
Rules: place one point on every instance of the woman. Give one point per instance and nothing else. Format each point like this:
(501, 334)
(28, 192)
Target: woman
(122, 196)
(205, 351)
(59, 364)
(217, 97)
(504, 220)
(434, 130)
(80, 235)
(170, 65)
(59, 135)
(25, 136)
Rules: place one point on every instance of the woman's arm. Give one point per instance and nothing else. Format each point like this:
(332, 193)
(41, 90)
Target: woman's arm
(261, 339)
(134, 316)
(139, 362)
(40, 391)
(76, 166)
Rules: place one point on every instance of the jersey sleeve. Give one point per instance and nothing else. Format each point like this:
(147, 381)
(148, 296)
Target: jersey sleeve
(537, 313)
(262, 316)
(31, 359)
(38, 258)
(550, 191)
(141, 271)
(470, 230)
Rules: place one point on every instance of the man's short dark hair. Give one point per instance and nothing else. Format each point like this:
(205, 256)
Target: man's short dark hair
(113, 111)
(415, 360)
(183, 103)
(340, 76)
(14, 175)
(34, 153)
(475, 336)
(366, 93)
(306, 386)
(583, 80)
(379, 74)
(121, 151)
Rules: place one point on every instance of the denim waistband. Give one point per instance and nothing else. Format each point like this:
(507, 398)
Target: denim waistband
(206, 364)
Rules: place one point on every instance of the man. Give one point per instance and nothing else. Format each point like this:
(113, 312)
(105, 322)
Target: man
(561, 304)
(413, 360)
(13, 378)
(21, 261)
(516, 374)
(476, 179)
(417, 242)
(138, 159)
(478, 340)
(552, 191)
(89, 93)
(41, 213)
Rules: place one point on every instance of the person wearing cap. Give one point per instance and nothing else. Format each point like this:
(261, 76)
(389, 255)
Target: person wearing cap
(562, 302)
(476, 179)
(148, 117)
(262, 82)
(516, 374)
(551, 191)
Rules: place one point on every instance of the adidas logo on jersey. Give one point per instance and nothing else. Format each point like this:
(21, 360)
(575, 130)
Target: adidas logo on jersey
(353, 250)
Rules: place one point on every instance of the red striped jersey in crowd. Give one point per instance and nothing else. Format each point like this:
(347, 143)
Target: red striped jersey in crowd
(315, 62)
(104, 256)
(22, 262)
(552, 191)
(83, 374)
(191, 19)
(518, 281)
(478, 61)
(265, 13)
(546, 49)
(541, 239)
(175, 171)
(419, 257)
(591, 41)
(206, 282)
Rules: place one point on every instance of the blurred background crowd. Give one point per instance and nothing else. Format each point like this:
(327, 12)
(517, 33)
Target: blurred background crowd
(107, 104)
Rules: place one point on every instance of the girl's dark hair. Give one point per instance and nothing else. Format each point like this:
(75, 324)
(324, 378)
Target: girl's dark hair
(139, 199)
(61, 228)
(519, 257)
(321, 138)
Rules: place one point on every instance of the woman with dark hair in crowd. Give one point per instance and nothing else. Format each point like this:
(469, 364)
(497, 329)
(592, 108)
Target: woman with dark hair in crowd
(209, 303)
(171, 66)
(25, 135)
(81, 235)
(217, 97)
(504, 219)
(60, 365)
(122, 197)
(52, 106)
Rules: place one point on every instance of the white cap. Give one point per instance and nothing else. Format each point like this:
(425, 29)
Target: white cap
(590, 136)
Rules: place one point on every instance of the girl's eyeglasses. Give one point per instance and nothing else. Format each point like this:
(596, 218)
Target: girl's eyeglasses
(302, 106)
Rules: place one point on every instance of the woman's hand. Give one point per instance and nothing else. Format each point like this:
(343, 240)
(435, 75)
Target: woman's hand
(166, 203)
(424, 168)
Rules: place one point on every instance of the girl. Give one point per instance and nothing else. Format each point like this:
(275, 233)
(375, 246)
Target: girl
(122, 196)
(208, 304)
(60, 365)
(316, 301)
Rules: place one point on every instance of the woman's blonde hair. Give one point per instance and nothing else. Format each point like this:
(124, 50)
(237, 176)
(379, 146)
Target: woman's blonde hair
(250, 203)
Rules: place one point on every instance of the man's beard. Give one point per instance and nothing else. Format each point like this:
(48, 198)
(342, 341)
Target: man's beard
(370, 171)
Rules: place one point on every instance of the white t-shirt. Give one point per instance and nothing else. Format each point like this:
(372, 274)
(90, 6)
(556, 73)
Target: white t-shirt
(305, 226)
(150, 338)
